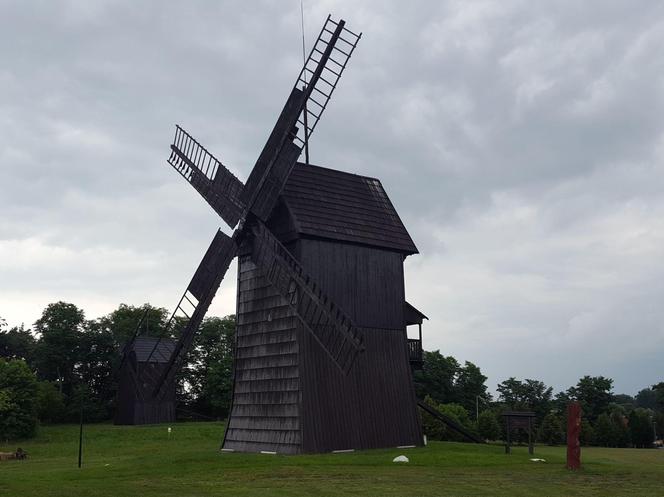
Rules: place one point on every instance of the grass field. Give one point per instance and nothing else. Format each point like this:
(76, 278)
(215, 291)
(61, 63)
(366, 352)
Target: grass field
(143, 461)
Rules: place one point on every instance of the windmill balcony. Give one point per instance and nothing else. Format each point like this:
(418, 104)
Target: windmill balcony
(415, 352)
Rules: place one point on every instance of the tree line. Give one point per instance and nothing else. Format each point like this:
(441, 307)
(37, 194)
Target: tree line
(65, 362)
(609, 419)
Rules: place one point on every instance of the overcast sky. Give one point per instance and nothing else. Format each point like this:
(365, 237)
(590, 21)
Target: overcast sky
(521, 142)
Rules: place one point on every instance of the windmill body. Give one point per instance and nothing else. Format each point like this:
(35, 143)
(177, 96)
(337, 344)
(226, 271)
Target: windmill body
(289, 395)
(146, 358)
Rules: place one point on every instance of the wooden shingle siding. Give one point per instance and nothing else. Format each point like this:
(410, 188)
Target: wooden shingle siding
(265, 411)
(266, 394)
(282, 423)
(280, 448)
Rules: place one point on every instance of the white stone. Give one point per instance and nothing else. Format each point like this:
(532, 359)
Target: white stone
(401, 458)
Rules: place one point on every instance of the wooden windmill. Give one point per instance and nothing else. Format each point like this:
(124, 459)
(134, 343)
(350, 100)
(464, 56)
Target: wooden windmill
(321, 355)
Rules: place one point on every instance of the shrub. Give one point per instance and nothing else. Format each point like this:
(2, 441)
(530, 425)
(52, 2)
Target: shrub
(50, 403)
(587, 434)
(641, 428)
(18, 404)
(437, 430)
(488, 426)
(551, 431)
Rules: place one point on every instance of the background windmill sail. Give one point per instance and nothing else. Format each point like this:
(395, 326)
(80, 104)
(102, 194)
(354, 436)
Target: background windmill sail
(203, 287)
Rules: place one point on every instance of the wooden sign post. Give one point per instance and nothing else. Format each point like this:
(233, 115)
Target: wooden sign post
(573, 431)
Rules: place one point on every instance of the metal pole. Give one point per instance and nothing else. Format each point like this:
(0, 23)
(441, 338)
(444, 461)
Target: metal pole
(531, 448)
(304, 59)
(306, 132)
(80, 437)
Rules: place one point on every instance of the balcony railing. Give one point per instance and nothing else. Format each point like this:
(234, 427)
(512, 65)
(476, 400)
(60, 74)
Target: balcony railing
(415, 352)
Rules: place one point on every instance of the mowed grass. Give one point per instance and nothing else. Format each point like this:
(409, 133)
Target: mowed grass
(144, 461)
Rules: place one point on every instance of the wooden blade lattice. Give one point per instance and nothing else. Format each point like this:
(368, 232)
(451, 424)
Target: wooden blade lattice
(321, 72)
(194, 304)
(218, 186)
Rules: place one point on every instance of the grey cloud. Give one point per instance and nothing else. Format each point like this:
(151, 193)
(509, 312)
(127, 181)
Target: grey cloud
(521, 143)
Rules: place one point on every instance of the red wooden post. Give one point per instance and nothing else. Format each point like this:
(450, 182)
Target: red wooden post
(573, 431)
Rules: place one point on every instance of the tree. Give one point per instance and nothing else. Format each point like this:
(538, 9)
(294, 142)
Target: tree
(620, 428)
(18, 405)
(488, 425)
(437, 377)
(60, 333)
(594, 394)
(659, 424)
(659, 392)
(646, 398)
(98, 358)
(551, 431)
(586, 434)
(469, 385)
(17, 343)
(122, 322)
(627, 402)
(640, 428)
(50, 403)
(604, 430)
(560, 402)
(527, 394)
(210, 364)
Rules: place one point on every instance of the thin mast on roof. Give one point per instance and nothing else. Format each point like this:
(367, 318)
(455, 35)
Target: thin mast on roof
(304, 87)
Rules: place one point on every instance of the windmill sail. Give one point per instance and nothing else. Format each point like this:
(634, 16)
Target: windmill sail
(332, 328)
(195, 302)
(322, 71)
(308, 99)
(218, 186)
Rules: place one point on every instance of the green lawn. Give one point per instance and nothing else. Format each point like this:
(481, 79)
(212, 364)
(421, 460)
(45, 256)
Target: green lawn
(143, 461)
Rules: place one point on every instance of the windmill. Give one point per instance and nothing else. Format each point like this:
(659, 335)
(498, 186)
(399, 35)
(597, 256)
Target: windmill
(318, 250)
(143, 357)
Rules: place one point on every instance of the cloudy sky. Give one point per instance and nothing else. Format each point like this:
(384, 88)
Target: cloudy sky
(522, 143)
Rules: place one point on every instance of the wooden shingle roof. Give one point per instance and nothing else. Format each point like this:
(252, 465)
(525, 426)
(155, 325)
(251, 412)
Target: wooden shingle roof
(143, 346)
(342, 206)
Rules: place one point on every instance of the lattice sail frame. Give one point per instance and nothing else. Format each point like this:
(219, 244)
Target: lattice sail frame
(218, 186)
(339, 43)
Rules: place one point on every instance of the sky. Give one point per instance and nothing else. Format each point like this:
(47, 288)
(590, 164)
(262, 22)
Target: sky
(521, 142)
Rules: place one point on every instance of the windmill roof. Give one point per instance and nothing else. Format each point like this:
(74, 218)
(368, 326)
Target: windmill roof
(342, 206)
(143, 347)
(412, 315)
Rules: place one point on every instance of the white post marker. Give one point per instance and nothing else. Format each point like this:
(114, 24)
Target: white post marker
(169, 432)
